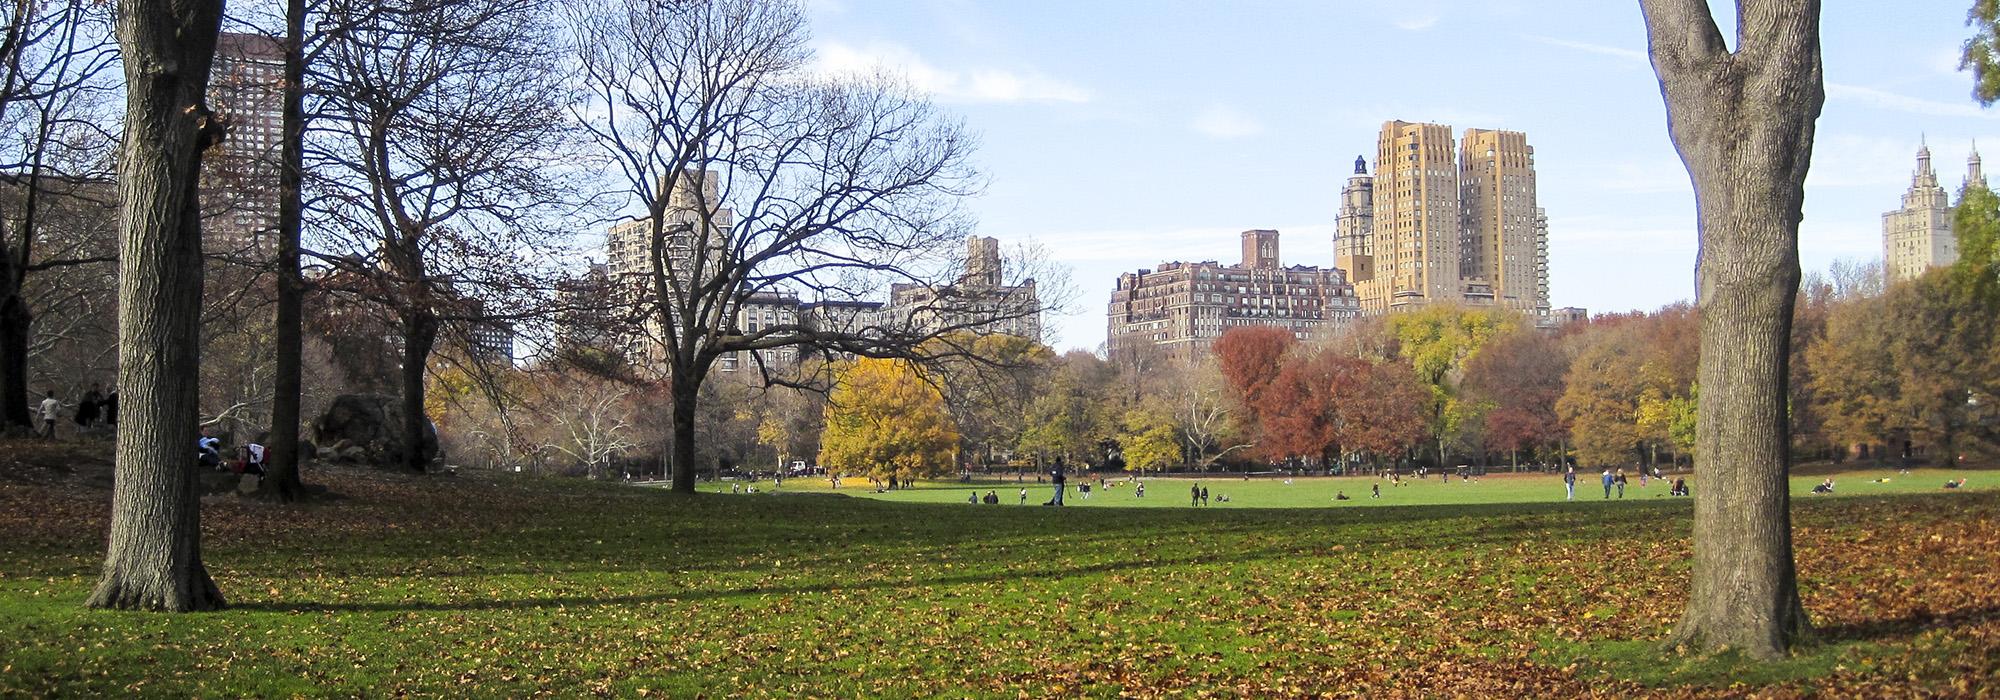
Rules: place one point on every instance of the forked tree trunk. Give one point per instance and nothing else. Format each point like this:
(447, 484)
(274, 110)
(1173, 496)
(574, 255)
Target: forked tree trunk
(153, 559)
(1743, 123)
(286, 386)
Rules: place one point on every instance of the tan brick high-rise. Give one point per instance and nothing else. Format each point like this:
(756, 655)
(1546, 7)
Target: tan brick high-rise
(1502, 249)
(1445, 223)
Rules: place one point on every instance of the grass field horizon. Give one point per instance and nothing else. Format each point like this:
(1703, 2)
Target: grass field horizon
(1270, 491)
(508, 585)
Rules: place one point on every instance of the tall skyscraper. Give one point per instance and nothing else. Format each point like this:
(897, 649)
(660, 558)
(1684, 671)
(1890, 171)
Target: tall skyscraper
(240, 195)
(1440, 223)
(1919, 236)
(1417, 220)
(1502, 245)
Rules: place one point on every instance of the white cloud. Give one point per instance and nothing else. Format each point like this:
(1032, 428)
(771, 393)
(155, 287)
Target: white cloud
(974, 85)
(1226, 123)
(1883, 99)
(1416, 23)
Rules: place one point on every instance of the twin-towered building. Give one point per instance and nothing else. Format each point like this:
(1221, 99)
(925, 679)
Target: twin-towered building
(1919, 236)
(1440, 222)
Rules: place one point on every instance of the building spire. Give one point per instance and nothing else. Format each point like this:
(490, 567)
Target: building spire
(1361, 165)
(1973, 173)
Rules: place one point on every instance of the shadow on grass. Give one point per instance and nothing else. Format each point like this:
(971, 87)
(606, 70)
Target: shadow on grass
(782, 590)
(1646, 662)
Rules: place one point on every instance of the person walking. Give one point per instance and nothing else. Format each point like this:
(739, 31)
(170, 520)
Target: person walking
(1204, 495)
(1569, 482)
(1621, 483)
(1607, 483)
(1194, 495)
(50, 409)
(1024, 497)
(1378, 491)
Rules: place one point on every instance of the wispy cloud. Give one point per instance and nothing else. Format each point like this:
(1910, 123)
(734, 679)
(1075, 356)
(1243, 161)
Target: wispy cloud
(969, 85)
(1226, 123)
(1883, 99)
(1600, 49)
(1417, 23)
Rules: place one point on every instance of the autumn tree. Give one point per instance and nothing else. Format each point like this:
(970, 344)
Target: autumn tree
(884, 420)
(750, 172)
(445, 125)
(1518, 376)
(1743, 123)
(1437, 342)
(1250, 358)
(1075, 410)
(153, 558)
(1148, 440)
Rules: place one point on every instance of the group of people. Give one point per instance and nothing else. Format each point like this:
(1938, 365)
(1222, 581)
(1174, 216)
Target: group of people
(1614, 481)
(250, 459)
(96, 408)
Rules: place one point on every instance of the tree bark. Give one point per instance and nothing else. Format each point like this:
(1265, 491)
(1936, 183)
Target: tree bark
(686, 395)
(283, 480)
(153, 559)
(15, 322)
(1743, 123)
(420, 330)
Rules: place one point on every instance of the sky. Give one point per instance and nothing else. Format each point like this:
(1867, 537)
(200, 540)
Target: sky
(1123, 134)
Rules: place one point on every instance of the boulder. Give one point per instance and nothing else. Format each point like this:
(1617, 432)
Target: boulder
(365, 429)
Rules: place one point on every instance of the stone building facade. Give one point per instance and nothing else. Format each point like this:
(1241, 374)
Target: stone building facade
(1178, 309)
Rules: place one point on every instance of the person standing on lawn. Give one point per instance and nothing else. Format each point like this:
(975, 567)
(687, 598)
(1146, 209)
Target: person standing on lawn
(1607, 483)
(1621, 483)
(1569, 482)
(1194, 495)
(1204, 495)
(1059, 475)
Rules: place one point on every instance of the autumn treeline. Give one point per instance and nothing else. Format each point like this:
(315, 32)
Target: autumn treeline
(1875, 372)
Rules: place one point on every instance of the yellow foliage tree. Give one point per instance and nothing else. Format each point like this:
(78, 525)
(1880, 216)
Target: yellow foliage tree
(883, 420)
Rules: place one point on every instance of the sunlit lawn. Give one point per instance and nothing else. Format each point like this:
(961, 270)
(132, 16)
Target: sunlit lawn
(1321, 492)
(500, 586)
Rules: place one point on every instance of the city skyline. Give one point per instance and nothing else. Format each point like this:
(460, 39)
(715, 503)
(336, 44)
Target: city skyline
(1164, 142)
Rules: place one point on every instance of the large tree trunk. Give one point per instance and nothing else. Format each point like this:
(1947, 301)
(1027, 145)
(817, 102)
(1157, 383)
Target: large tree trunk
(1743, 123)
(686, 394)
(15, 322)
(283, 480)
(420, 330)
(153, 559)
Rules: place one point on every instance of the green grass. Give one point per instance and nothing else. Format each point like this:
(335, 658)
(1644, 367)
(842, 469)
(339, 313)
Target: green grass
(491, 585)
(1320, 492)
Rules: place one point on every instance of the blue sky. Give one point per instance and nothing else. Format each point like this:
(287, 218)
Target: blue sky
(1125, 134)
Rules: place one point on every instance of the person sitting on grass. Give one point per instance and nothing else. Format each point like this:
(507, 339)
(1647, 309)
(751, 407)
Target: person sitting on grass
(1680, 487)
(1824, 487)
(1341, 496)
(1955, 484)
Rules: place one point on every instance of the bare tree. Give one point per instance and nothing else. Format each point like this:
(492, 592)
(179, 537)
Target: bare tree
(448, 118)
(55, 70)
(153, 560)
(1743, 121)
(756, 175)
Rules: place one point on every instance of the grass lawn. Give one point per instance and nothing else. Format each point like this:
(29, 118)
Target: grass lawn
(1320, 492)
(502, 586)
